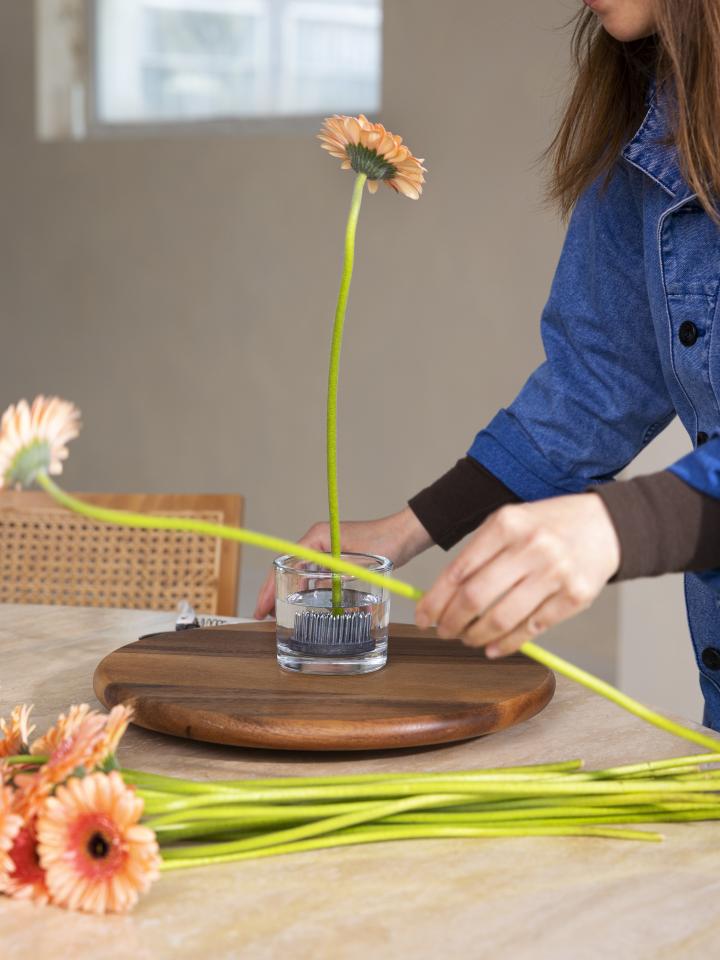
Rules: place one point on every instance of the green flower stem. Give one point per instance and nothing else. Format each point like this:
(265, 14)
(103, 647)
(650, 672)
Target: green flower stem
(26, 759)
(336, 565)
(327, 825)
(655, 765)
(605, 814)
(380, 835)
(242, 815)
(172, 785)
(177, 785)
(238, 827)
(333, 378)
(276, 545)
(603, 689)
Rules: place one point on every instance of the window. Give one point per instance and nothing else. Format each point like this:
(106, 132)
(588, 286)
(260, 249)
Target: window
(179, 61)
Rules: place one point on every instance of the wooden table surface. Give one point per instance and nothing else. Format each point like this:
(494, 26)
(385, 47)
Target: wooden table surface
(561, 898)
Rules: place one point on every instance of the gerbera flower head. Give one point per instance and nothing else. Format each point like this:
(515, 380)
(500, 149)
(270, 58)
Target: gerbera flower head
(15, 732)
(106, 743)
(34, 439)
(25, 879)
(10, 826)
(76, 753)
(369, 148)
(96, 854)
(65, 727)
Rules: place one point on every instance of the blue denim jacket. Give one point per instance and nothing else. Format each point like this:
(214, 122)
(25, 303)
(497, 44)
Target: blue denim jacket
(631, 338)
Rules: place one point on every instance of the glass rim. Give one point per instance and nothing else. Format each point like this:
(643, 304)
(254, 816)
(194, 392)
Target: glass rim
(284, 564)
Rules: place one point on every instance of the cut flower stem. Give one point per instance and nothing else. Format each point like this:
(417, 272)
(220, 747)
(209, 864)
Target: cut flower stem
(333, 379)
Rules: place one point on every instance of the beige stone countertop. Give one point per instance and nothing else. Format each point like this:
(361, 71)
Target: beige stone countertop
(520, 898)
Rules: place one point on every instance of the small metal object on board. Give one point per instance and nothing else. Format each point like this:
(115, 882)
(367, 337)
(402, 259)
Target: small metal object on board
(187, 619)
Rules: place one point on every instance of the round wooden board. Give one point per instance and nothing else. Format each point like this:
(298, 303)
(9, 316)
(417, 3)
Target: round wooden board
(223, 685)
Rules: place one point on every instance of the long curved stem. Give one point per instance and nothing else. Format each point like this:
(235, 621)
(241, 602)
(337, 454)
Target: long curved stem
(333, 378)
(274, 544)
(126, 518)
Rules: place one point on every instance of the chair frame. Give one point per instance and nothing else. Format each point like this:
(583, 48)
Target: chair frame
(230, 505)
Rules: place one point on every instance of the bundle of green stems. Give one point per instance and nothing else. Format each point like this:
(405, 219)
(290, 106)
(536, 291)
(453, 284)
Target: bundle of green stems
(201, 823)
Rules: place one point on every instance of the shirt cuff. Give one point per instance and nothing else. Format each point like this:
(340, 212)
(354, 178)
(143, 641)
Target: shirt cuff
(663, 524)
(459, 501)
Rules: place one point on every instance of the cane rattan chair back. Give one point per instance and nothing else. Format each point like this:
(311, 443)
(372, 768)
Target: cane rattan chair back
(49, 555)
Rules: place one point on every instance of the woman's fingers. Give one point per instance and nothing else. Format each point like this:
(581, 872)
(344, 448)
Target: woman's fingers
(265, 603)
(497, 531)
(561, 606)
(510, 615)
(481, 592)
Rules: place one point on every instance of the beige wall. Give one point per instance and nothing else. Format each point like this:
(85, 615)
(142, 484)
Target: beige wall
(181, 290)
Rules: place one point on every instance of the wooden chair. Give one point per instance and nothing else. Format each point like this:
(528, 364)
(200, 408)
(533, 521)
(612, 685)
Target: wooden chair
(49, 555)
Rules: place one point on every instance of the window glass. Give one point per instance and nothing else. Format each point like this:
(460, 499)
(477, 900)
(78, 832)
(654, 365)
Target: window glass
(183, 60)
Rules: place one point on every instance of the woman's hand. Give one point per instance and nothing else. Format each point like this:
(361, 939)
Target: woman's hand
(528, 567)
(398, 537)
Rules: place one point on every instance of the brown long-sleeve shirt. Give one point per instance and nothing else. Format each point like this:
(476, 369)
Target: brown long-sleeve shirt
(663, 524)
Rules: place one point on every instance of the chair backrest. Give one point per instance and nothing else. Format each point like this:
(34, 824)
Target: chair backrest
(49, 555)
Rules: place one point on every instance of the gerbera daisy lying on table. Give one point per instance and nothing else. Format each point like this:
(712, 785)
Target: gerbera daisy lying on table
(69, 826)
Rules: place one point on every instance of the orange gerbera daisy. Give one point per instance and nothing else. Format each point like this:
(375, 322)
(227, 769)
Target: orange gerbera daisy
(369, 148)
(115, 725)
(96, 855)
(25, 879)
(65, 727)
(76, 751)
(10, 825)
(16, 733)
(33, 439)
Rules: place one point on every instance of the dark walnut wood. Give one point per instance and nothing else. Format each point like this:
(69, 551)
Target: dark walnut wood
(223, 685)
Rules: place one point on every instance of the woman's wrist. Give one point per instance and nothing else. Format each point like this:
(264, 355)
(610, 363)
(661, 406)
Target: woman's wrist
(410, 535)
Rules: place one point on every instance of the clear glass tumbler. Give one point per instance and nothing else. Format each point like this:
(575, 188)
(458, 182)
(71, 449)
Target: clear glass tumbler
(314, 635)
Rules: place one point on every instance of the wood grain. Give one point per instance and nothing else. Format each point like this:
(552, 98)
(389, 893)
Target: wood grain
(223, 685)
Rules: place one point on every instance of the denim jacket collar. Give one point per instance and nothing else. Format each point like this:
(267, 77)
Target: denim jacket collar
(649, 151)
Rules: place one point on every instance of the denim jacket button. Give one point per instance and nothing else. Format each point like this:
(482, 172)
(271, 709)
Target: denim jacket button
(711, 658)
(688, 333)
(702, 438)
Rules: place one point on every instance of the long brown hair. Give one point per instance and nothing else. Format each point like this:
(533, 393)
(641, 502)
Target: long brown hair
(607, 103)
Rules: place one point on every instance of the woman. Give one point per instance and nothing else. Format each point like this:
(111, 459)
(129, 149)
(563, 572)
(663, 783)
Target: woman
(631, 340)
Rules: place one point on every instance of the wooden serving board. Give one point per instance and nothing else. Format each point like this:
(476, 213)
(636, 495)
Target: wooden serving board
(224, 685)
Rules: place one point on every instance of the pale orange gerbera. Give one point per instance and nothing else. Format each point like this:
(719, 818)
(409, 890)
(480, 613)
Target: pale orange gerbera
(10, 826)
(96, 855)
(16, 732)
(115, 725)
(34, 438)
(76, 751)
(25, 879)
(369, 148)
(65, 726)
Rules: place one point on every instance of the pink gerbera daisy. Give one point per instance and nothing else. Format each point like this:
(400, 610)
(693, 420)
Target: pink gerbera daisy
(97, 856)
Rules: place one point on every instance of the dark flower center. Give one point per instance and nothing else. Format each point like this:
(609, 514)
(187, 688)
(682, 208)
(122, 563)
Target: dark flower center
(367, 161)
(98, 847)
